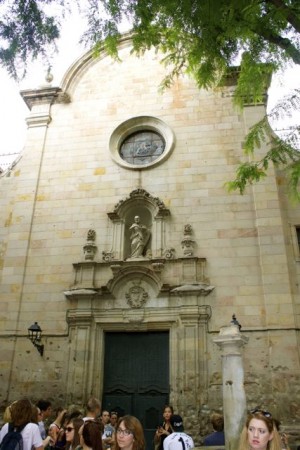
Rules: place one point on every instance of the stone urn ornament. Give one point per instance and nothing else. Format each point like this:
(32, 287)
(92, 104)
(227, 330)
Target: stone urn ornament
(188, 243)
(90, 248)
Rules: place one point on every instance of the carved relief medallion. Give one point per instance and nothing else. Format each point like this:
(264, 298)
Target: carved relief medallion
(136, 296)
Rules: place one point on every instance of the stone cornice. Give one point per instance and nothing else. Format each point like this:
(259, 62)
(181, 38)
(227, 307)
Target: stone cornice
(160, 318)
(202, 289)
(44, 95)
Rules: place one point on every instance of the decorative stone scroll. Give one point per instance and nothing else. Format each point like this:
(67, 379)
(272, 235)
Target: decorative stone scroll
(170, 253)
(107, 256)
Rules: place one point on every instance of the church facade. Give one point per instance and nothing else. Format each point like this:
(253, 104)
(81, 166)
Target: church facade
(118, 237)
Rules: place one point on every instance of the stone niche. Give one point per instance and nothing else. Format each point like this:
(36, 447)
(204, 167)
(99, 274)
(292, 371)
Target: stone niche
(152, 214)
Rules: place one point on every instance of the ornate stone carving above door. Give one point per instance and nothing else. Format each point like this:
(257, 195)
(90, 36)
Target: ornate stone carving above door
(136, 296)
(139, 265)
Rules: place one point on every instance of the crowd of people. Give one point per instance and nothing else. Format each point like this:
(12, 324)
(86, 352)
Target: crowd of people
(96, 429)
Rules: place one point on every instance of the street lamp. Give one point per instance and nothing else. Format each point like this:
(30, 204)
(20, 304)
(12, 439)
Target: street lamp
(35, 335)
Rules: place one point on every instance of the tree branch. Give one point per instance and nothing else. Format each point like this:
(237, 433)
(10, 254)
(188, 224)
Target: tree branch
(284, 43)
(287, 12)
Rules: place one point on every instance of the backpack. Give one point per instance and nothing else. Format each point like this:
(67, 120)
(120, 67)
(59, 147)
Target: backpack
(13, 439)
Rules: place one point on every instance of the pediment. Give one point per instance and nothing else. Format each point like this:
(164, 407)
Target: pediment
(135, 282)
(136, 198)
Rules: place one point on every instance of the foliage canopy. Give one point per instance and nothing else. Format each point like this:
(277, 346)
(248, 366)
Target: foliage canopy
(204, 38)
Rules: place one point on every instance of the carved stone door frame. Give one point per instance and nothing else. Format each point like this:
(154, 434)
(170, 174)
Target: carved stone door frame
(187, 334)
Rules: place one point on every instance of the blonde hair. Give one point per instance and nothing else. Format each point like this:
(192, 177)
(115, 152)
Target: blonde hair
(264, 416)
(7, 413)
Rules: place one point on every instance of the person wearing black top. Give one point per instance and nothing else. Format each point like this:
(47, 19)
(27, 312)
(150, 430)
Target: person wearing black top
(164, 429)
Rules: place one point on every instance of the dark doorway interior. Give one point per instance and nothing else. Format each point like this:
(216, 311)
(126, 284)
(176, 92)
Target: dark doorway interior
(136, 377)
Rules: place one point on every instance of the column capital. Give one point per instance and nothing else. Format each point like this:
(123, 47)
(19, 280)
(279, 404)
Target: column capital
(230, 339)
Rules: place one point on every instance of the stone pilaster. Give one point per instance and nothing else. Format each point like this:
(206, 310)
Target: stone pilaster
(81, 355)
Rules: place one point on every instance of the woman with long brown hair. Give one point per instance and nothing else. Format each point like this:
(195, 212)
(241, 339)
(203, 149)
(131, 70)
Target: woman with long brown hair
(91, 435)
(21, 420)
(72, 433)
(164, 429)
(129, 434)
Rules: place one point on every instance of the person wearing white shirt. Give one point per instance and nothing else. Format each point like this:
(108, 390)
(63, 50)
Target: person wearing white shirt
(21, 416)
(93, 409)
(178, 440)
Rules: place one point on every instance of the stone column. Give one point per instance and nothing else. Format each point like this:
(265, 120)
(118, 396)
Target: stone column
(230, 340)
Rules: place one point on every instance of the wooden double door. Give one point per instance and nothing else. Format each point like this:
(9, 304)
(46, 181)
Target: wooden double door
(136, 377)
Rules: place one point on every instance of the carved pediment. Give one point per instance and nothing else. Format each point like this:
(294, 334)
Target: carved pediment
(138, 196)
(136, 282)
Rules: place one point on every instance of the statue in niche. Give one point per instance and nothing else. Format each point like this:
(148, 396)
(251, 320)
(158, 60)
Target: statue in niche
(139, 238)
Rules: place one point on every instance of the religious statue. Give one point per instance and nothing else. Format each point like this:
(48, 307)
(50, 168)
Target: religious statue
(139, 238)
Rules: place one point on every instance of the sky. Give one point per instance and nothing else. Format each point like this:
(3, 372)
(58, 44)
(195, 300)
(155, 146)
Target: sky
(13, 110)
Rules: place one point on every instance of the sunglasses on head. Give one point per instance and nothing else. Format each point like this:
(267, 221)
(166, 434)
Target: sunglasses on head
(261, 411)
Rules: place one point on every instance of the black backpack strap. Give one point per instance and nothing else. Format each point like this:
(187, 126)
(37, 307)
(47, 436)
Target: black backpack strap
(19, 429)
(11, 427)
